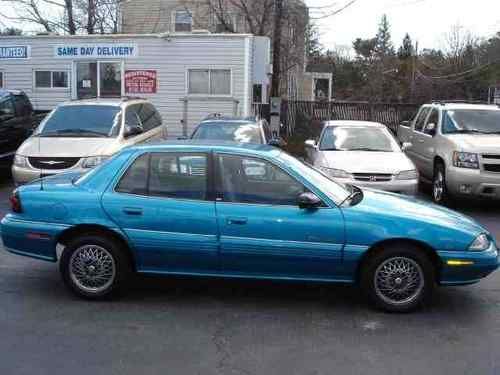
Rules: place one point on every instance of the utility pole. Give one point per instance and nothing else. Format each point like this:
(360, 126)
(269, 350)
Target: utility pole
(278, 14)
(414, 73)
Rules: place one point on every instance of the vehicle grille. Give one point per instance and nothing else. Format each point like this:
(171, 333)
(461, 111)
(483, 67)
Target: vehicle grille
(372, 177)
(492, 168)
(53, 163)
(495, 157)
(198, 171)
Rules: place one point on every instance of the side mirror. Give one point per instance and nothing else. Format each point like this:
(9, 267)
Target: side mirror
(131, 131)
(277, 142)
(310, 143)
(405, 123)
(309, 201)
(431, 129)
(406, 145)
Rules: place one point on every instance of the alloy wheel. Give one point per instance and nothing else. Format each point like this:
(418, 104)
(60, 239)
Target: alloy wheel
(92, 269)
(438, 186)
(399, 281)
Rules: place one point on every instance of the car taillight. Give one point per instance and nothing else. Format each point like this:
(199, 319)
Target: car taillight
(15, 203)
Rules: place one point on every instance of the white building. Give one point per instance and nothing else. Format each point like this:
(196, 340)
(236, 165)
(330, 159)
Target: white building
(186, 76)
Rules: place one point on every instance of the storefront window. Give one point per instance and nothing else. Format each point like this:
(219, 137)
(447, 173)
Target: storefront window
(43, 79)
(110, 79)
(1, 80)
(60, 79)
(86, 80)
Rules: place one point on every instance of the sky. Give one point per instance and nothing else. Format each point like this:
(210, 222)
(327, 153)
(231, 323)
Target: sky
(427, 21)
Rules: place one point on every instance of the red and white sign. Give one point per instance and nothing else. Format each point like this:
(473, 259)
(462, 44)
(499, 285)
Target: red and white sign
(140, 82)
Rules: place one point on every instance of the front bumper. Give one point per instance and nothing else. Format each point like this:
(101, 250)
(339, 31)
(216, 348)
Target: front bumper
(407, 187)
(467, 267)
(23, 176)
(473, 182)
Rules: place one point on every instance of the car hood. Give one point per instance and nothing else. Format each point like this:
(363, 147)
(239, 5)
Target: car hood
(67, 147)
(476, 142)
(365, 161)
(413, 209)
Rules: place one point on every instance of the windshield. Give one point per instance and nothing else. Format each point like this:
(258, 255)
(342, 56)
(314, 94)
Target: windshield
(474, 121)
(335, 191)
(82, 121)
(344, 138)
(233, 132)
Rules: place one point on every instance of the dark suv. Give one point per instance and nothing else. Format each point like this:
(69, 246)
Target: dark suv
(17, 122)
(236, 129)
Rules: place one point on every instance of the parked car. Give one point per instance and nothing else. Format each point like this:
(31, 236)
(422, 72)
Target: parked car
(17, 122)
(457, 148)
(80, 135)
(364, 154)
(152, 210)
(237, 129)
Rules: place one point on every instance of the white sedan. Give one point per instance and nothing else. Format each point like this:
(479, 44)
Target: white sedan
(364, 154)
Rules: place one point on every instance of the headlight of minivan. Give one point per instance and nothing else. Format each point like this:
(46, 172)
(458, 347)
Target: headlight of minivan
(93, 161)
(336, 173)
(465, 160)
(407, 175)
(481, 243)
(21, 161)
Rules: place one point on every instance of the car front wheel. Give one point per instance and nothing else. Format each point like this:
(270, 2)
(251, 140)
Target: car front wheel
(93, 267)
(398, 278)
(439, 191)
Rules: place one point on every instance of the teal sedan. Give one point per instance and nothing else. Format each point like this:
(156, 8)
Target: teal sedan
(241, 211)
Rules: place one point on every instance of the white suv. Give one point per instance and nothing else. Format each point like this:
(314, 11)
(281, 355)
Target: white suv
(457, 148)
(79, 135)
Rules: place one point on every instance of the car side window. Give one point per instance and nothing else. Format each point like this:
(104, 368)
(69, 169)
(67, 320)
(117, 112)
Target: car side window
(23, 108)
(420, 120)
(135, 180)
(255, 181)
(182, 176)
(148, 116)
(433, 119)
(7, 108)
(131, 116)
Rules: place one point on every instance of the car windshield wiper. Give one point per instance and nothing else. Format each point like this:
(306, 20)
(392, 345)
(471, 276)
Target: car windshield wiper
(469, 131)
(80, 132)
(331, 149)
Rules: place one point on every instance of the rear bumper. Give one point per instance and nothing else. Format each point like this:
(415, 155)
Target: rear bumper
(473, 183)
(31, 239)
(467, 267)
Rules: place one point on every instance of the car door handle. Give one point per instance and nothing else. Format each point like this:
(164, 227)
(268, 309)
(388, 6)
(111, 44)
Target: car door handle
(421, 141)
(237, 220)
(132, 211)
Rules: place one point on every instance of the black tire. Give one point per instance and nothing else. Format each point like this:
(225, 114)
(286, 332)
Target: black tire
(413, 256)
(110, 256)
(439, 190)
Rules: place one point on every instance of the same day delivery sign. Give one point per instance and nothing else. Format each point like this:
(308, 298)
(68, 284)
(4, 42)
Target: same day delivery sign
(85, 51)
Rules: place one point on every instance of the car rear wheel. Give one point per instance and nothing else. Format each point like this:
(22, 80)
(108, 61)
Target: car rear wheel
(400, 278)
(93, 267)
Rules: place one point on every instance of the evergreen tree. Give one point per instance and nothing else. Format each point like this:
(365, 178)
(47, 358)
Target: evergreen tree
(384, 46)
(406, 49)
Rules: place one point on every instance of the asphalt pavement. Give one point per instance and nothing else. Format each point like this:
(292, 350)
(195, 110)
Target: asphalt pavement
(186, 326)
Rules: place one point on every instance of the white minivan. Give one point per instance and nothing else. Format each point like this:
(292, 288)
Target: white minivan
(79, 135)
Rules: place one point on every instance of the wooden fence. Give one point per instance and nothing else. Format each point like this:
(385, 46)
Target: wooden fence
(296, 114)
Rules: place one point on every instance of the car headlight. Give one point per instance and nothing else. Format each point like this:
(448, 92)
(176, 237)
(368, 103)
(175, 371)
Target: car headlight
(465, 160)
(21, 161)
(93, 161)
(336, 173)
(481, 243)
(407, 175)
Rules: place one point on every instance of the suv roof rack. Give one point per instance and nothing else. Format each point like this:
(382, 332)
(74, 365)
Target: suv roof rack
(459, 101)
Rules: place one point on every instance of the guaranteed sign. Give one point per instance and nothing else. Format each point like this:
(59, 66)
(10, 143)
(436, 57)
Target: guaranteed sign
(14, 52)
(84, 51)
(140, 82)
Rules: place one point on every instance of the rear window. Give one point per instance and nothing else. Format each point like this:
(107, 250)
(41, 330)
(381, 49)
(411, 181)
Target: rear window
(82, 121)
(232, 132)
